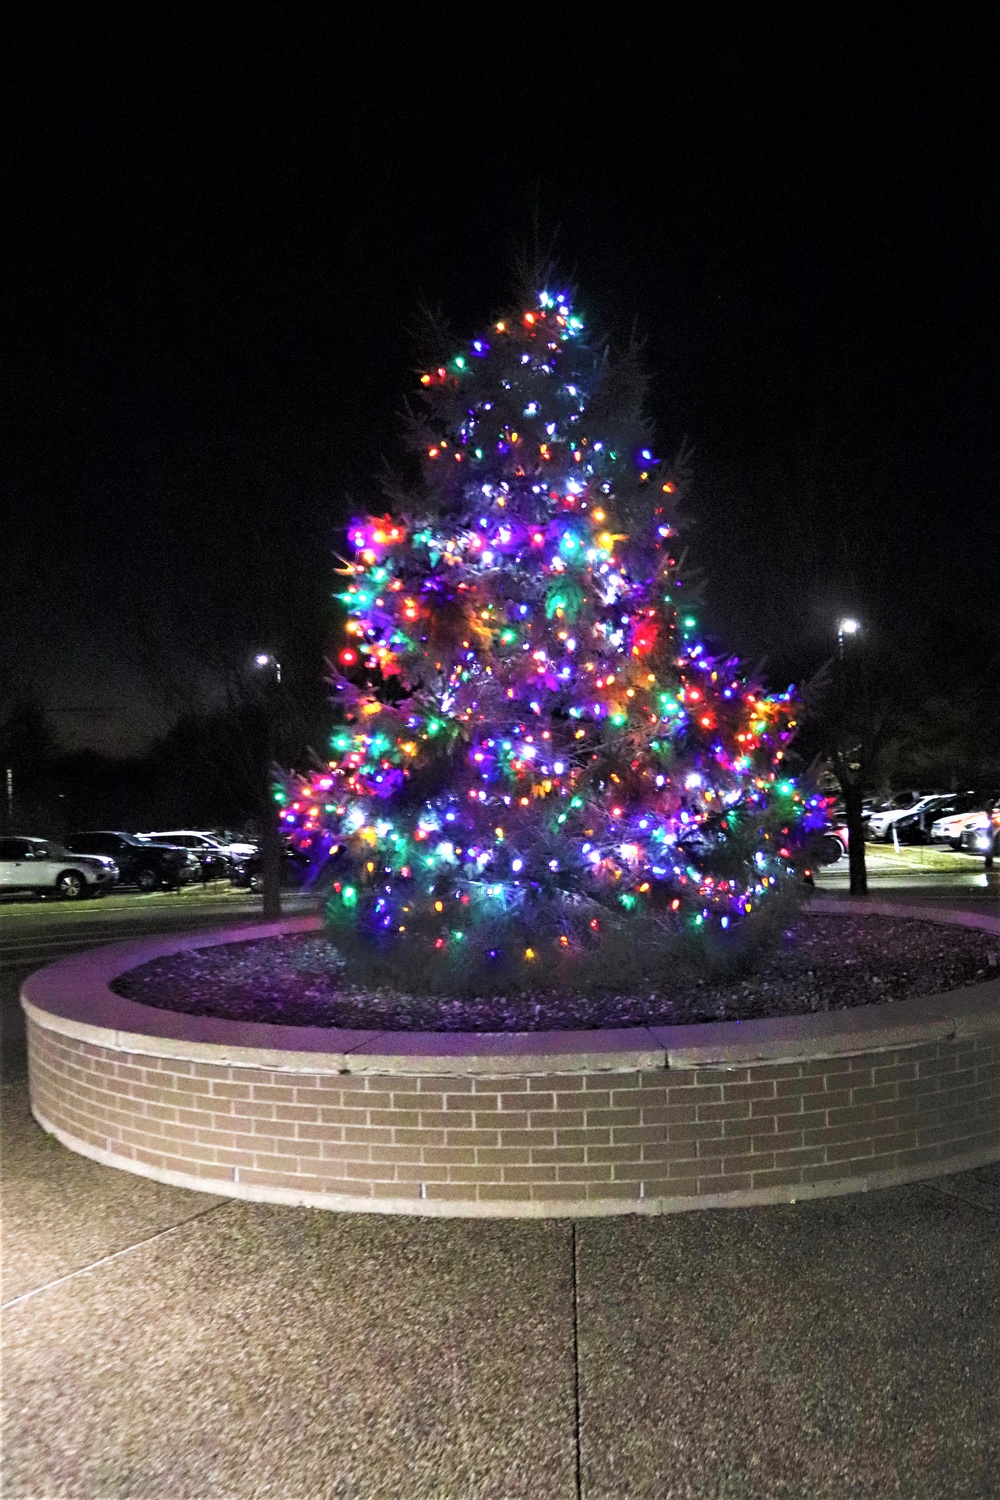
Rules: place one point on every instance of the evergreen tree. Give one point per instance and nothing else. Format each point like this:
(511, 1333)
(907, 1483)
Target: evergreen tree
(539, 776)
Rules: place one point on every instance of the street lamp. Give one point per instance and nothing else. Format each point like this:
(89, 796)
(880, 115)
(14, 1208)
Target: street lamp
(846, 626)
(270, 836)
(265, 659)
(851, 762)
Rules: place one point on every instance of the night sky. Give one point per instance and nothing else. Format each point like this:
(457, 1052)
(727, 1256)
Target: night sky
(222, 237)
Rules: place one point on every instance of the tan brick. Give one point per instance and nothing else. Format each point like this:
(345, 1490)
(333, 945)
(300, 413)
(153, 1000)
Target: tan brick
(330, 1116)
(704, 1094)
(669, 1114)
(558, 1119)
(597, 1098)
(624, 1191)
(730, 1182)
(587, 1137)
(660, 1152)
(370, 1134)
(503, 1155)
(529, 1174)
(676, 1170)
(716, 1077)
(426, 1172)
(773, 1071)
(630, 1152)
(625, 1134)
(319, 1132)
(613, 1117)
(220, 1089)
(813, 1119)
(247, 1109)
(295, 1112)
(404, 1137)
(509, 1192)
(704, 1130)
(786, 1140)
(630, 1171)
(777, 1177)
(160, 1112)
(826, 1067)
(371, 1099)
(524, 1101)
(417, 1102)
(516, 1137)
(557, 1154)
(588, 1172)
(762, 1090)
(640, 1098)
(734, 1109)
(470, 1101)
(273, 1093)
(444, 1120)
(556, 1192)
(848, 1150)
(449, 1155)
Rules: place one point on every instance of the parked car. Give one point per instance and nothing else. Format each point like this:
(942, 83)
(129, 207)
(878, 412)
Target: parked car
(915, 827)
(149, 866)
(898, 801)
(41, 865)
(881, 822)
(236, 848)
(977, 839)
(950, 828)
(295, 868)
(214, 862)
(831, 843)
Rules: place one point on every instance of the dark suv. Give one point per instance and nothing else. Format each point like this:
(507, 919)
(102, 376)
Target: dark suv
(149, 866)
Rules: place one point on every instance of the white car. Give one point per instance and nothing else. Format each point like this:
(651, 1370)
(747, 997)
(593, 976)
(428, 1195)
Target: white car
(41, 865)
(880, 823)
(950, 830)
(235, 848)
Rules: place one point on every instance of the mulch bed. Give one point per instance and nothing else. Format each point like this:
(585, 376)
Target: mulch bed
(822, 964)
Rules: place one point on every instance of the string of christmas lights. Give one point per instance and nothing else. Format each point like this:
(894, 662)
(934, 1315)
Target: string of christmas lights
(534, 747)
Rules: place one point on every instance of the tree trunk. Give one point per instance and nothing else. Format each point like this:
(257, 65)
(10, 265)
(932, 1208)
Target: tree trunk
(270, 829)
(270, 856)
(855, 838)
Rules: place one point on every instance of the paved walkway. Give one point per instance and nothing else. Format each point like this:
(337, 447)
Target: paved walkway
(161, 1343)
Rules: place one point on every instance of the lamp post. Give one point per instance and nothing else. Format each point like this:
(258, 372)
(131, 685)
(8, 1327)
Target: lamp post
(850, 771)
(845, 627)
(270, 835)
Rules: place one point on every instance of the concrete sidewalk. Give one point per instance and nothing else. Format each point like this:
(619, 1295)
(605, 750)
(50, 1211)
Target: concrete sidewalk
(161, 1343)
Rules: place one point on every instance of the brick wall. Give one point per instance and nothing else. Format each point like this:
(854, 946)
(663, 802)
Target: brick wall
(538, 1142)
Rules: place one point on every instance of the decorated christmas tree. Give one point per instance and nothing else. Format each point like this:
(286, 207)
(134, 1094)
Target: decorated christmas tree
(540, 776)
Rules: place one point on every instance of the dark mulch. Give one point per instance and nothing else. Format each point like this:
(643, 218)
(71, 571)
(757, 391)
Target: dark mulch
(822, 964)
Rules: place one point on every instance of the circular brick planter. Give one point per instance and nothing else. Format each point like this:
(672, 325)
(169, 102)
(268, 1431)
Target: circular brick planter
(650, 1119)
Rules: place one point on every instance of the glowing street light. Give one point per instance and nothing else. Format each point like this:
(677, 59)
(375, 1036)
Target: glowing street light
(846, 626)
(265, 659)
(270, 833)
